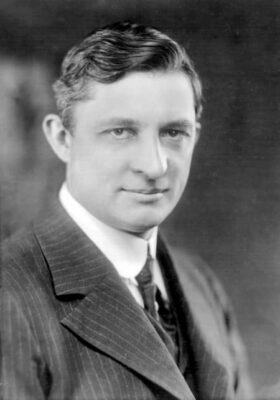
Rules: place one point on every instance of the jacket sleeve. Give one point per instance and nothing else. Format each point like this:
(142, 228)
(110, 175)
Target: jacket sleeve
(21, 359)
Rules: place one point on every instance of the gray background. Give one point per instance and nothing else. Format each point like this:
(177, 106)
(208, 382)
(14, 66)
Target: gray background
(230, 213)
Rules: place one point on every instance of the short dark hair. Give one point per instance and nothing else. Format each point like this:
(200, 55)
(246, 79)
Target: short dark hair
(110, 53)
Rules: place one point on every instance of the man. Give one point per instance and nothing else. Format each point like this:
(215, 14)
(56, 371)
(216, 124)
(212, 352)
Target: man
(94, 305)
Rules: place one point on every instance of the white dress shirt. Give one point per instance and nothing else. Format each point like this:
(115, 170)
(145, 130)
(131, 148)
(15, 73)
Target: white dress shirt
(126, 252)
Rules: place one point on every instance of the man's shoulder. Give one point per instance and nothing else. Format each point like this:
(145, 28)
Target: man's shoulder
(21, 258)
(25, 245)
(193, 265)
(196, 275)
(19, 245)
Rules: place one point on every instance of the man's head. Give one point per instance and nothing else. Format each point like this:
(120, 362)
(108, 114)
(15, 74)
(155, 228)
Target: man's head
(129, 102)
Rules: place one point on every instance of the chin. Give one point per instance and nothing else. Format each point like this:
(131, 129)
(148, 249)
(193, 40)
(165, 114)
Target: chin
(146, 222)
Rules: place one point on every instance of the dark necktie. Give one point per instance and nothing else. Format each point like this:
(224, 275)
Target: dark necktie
(157, 307)
(147, 287)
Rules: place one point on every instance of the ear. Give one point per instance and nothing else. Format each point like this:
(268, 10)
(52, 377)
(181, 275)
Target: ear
(58, 136)
(197, 131)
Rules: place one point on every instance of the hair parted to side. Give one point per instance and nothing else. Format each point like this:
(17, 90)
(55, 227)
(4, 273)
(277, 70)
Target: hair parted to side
(110, 53)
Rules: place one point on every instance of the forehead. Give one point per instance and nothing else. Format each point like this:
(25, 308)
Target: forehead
(138, 82)
(140, 95)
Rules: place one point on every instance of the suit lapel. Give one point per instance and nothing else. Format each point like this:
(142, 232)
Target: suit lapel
(200, 319)
(107, 317)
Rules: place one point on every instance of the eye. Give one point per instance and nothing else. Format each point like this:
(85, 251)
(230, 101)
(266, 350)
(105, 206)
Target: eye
(175, 134)
(121, 133)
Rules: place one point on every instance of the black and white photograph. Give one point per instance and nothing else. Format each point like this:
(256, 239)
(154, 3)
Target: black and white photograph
(140, 199)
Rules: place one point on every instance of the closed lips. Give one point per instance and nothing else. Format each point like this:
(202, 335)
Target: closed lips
(146, 191)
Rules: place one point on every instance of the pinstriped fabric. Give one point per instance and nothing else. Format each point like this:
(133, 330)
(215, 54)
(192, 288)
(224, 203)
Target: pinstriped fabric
(42, 353)
(71, 329)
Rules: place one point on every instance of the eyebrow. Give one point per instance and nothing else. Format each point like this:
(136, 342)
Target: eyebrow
(118, 121)
(181, 123)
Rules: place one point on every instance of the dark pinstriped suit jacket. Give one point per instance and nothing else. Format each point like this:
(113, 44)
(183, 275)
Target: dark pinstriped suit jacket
(72, 330)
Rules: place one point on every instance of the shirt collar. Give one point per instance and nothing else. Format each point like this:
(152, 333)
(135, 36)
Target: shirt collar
(126, 252)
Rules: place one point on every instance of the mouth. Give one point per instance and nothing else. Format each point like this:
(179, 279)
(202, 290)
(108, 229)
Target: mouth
(151, 191)
(146, 195)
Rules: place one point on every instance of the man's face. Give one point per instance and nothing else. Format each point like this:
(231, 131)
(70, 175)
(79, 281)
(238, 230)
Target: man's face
(131, 148)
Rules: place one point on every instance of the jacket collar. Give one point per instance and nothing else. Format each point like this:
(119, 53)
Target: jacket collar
(107, 317)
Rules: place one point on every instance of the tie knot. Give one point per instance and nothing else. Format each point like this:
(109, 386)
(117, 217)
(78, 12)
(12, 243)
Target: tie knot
(145, 275)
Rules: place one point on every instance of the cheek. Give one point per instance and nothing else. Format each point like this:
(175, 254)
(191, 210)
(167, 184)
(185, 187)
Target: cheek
(179, 176)
(180, 168)
(100, 175)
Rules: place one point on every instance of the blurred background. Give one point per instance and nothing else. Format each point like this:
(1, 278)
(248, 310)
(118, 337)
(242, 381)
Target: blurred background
(230, 213)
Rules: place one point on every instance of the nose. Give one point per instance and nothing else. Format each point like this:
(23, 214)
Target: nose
(150, 158)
